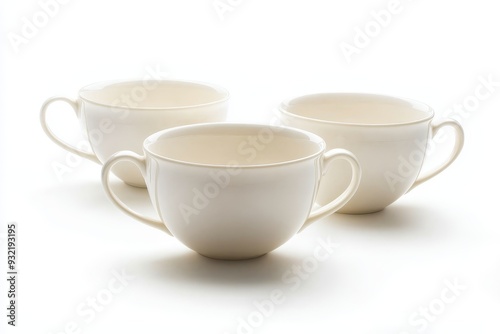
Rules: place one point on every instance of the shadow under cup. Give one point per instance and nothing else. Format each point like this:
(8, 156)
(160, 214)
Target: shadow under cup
(388, 135)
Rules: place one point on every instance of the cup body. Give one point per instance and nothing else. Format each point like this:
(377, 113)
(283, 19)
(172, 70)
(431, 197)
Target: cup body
(233, 191)
(388, 136)
(116, 116)
(230, 191)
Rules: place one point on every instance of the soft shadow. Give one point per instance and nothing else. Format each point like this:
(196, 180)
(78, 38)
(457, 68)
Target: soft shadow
(133, 196)
(90, 194)
(191, 268)
(400, 218)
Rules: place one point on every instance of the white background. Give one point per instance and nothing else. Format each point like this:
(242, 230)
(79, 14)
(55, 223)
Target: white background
(387, 266)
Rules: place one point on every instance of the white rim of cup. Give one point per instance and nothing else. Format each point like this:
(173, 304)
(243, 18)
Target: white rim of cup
(283, 108)
(321, 145)
(224, 93)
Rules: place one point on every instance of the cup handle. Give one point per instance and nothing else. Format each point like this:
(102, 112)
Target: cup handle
(57, 140)
(459, 144)
(140, 162)
(342, 199)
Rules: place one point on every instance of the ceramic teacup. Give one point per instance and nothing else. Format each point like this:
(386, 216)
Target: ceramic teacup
(234, 191)
(116, 116)
(388, 135)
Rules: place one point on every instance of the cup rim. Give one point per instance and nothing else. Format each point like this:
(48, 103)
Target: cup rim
(140, 82)
(424, 107)
(321, 145)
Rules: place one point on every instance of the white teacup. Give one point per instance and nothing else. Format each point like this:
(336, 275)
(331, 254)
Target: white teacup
(388, 135)
(116, 116)
(234, 191)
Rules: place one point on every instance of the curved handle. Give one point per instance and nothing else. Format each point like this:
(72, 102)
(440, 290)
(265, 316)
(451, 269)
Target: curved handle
(57, 140)
(459, 144)
(140, 162)
(343, 198)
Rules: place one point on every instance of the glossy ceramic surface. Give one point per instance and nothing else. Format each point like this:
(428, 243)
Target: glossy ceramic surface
(388, 135)
(234, 191)
(116, 116)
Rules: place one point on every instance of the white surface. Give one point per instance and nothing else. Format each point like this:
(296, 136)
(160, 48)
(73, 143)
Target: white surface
(387, 266)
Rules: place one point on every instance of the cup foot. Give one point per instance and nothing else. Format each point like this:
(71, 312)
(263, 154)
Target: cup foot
(135, 185)
(358, 212)
(230, 258)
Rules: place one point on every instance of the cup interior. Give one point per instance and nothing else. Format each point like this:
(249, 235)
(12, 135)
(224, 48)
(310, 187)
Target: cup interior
(153, 94)
(243, 145)
(359, 109)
